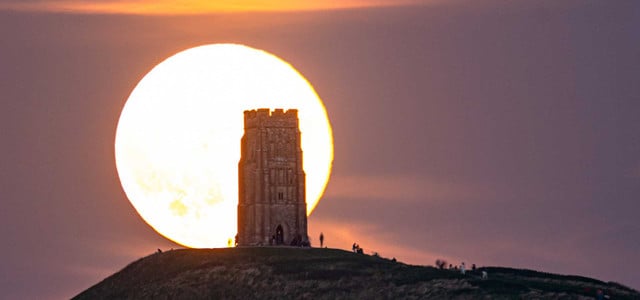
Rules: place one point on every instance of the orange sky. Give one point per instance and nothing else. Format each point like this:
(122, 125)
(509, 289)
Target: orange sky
(166, 7)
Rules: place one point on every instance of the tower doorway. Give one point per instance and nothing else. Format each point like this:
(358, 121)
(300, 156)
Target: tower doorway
(279, 235)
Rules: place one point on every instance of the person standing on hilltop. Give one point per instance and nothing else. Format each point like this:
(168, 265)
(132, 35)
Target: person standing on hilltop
(321, 239)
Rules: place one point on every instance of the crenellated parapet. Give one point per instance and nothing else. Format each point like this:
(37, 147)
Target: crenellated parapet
(264, 117)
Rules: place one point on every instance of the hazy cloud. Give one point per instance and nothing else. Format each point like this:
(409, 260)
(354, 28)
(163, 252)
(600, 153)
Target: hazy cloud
(403, 188)
(166, 7)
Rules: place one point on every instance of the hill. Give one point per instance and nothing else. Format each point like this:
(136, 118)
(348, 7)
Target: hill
(313, 273)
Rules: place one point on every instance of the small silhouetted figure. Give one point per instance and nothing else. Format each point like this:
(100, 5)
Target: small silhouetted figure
(450, 267)
(485, 275)
(159, 251)
(462, 270)
(473, 267)
(279, 235)
(600, 295)
(354, 247)
(393, 259)
(321, 239)
(360, 250)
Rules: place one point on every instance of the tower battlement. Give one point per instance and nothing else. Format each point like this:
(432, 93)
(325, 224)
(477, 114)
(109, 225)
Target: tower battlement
(267, 118)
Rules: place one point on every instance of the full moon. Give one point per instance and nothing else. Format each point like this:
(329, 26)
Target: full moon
(177, 143)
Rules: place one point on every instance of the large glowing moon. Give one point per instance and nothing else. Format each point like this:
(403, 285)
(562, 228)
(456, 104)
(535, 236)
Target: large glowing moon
(177, 143)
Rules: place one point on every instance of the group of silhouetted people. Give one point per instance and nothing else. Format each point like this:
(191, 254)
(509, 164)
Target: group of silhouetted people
(300, 242)
(462, 268)
(356, 248)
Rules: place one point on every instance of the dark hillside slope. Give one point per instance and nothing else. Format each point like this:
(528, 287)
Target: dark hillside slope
(311, 273)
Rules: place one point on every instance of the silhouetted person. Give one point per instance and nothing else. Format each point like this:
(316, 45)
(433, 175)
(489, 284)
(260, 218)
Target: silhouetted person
(600, 295)
(393, 259)
(279, 236)
(159, 251)
(360, 250)
(473, 267)
(462, 270)
(354, 247)
(321, 239)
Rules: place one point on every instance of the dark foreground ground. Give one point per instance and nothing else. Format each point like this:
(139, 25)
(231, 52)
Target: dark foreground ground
(312, 273)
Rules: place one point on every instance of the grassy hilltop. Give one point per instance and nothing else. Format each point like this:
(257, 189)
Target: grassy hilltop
(312, 273)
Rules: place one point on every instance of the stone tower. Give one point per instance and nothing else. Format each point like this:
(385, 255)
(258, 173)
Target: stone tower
(272, 209)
